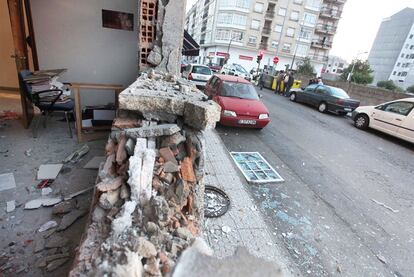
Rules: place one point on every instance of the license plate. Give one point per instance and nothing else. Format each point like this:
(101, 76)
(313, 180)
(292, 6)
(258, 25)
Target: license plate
(348, 109)
(247, 122)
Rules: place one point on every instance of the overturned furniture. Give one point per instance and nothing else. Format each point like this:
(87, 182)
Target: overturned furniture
(148, 201)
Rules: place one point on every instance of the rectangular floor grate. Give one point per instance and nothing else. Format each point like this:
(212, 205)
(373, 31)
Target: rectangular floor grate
(255, 168)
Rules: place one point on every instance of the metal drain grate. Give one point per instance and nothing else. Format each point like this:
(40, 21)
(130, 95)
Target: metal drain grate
(216, 202)
(255, 168)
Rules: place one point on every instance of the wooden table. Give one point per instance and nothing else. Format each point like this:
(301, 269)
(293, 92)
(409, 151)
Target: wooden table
(77, 87)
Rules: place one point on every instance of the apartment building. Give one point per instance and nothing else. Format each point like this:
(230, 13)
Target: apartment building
(289, 29)
(335, 65)
(392, 53)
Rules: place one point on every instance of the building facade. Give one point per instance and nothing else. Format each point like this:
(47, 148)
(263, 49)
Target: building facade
(288, 29)
(335, 65)
(392, 53)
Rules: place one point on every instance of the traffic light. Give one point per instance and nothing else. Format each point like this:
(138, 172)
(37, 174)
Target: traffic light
(260, 56)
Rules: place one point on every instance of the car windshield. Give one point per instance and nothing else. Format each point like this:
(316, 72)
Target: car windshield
(204, 70)
(238, 90)
(240, 68)
(338, 92)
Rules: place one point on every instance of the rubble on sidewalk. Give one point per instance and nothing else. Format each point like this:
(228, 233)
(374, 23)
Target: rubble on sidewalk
(149, 196)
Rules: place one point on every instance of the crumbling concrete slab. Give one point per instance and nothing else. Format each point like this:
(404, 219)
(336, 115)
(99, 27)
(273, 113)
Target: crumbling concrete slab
(10, 206)
(48, 171)
(149, 96)
(153, 131)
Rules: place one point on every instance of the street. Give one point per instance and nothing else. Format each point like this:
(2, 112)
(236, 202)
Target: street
(346, 206)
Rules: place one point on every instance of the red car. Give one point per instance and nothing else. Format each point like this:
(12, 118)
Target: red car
(239, 101)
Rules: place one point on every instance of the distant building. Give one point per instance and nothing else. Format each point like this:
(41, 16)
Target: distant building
(288, 29)
(335, 65)
(392, 54)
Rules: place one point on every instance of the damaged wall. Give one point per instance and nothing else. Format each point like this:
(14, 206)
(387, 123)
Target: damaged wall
(149, 198)
(168, 28)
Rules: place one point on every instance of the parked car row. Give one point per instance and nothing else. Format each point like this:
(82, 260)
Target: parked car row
(395, 118)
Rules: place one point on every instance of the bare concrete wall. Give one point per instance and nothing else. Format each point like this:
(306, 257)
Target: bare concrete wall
(69, 34)
(368, 95)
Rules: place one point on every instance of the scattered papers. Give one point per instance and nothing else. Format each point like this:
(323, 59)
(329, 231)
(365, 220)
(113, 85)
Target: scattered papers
(48, 171)
(7, 181)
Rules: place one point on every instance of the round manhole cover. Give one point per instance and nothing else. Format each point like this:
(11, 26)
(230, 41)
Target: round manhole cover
(216, 202)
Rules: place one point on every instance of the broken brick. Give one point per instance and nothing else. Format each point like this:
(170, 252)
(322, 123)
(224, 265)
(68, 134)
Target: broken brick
(121, 153)
(125, 123)
(168, 155)
(187, 170)
(110, 184)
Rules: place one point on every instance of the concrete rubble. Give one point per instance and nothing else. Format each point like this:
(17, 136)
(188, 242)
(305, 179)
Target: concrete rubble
(148, 199)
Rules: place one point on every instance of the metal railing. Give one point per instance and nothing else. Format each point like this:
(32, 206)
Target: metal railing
(330, 13)
(326, 28)
(270, 14)
(266, 30)
(321, 44)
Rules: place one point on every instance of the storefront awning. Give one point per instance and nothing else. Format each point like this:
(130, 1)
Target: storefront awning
(190, 46)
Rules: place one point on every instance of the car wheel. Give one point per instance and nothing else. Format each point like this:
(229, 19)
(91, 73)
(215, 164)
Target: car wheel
(293, 97)
(322, 107)
(361, 121)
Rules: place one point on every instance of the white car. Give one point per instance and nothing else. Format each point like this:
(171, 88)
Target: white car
(197, 73)
(395, 118)
(235, 70)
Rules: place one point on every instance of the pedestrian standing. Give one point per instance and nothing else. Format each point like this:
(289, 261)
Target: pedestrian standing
(320, 81)
(289, 83)
(279, 81)
(261, 80)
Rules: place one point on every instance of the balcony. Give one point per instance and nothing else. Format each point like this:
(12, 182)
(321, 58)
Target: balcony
(263, 45)
(321, 44)
(266, 30)
(325, 29)
(330, 13)
(319, 58)
(335, 1)
(270, 14)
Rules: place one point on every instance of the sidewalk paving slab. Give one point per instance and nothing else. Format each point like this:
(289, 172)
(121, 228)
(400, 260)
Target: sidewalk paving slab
(247, 225)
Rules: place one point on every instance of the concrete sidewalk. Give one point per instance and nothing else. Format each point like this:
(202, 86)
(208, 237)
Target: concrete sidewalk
(248, 228)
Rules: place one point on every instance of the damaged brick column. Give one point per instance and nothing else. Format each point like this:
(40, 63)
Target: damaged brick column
(149, 196)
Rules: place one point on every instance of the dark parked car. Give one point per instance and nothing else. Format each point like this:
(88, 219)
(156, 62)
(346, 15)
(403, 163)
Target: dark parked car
(326, 99)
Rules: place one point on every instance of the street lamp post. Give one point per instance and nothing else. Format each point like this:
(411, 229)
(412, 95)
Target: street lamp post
(228, 47)
(349, 78)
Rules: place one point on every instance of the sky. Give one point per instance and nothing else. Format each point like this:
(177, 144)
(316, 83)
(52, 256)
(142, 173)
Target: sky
(359, 25)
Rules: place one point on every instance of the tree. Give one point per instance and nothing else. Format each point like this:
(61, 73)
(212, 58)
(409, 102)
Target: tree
(361, 74)
(387, 85)
(305, 67)
(410, 89)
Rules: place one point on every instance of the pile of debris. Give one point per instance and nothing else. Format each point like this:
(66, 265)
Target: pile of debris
(148, 201)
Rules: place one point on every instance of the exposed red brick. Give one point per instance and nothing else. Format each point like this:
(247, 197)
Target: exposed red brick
(190, 203)
(126, 123)
(121, 153)
(123, 169)
(168, 155)
(187, 170)
(192, 228)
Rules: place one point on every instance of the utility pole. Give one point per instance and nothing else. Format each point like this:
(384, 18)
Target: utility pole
(349, 78)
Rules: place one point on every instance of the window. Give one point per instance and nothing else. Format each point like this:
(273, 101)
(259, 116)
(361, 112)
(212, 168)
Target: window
(399, 74)
(243, 4)
(406, 46)
(301, 50)
(252, 39)
(278, 28)
(298, 2)
(232, 19)
(286, 47)
(294, 15)
(314, 4)
(412, 56)
(341, 65)
(411, 47)
(258, 7)
(255, 24)
(309, 19)
(402, 108)
(411, 36)
(282, 12)
(275, 44)
(398, 64)
(290, 32)
(223, 35)
(404, 73)
(407, 56)
(305, 34)
(395, 72)
(402, 55)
